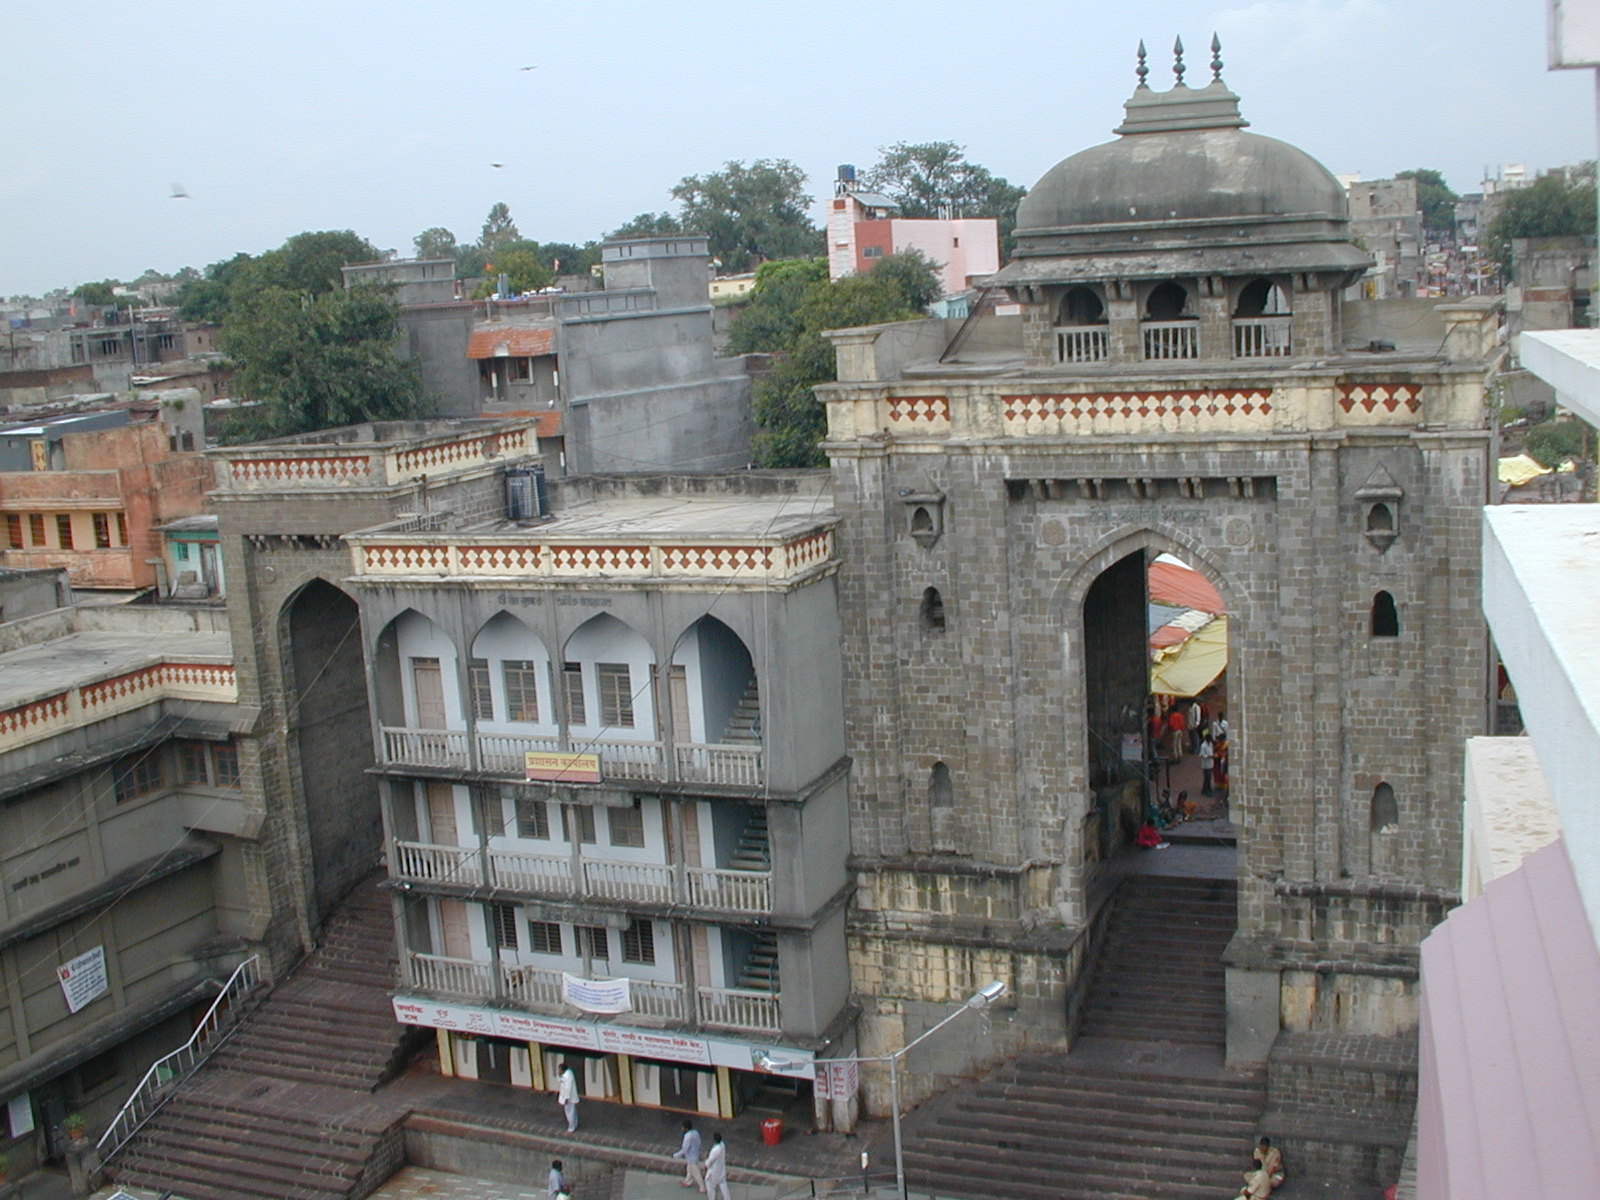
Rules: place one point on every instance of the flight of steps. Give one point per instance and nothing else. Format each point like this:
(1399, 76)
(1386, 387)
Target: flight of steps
(285, 1107)
(760, 970)
(754, 851)
(1159, 974)
(744, 727)
(1045, 1128)
(1142, 1108)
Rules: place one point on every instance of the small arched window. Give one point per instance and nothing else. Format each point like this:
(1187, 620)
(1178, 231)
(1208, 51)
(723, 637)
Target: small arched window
(942, 808)
(941, 792)
(1167, 302)
(921, 521)
(1385, 617)
(933, 610)
(1380, 519)
(1261, 298)
(1385, 816)
(1080, 306)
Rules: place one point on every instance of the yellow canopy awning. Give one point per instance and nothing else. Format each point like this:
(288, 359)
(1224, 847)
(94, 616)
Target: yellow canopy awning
(1191, 666)
(1519, 469)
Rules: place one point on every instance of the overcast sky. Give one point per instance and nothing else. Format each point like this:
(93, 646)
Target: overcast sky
(279, 116)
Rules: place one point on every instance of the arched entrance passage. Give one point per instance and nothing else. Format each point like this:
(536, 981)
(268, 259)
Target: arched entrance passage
(1156, 652)
(328, 727)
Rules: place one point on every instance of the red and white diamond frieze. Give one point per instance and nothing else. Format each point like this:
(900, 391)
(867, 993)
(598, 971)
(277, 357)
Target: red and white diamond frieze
(1384, 397)
(928, 412)
(1181, 408)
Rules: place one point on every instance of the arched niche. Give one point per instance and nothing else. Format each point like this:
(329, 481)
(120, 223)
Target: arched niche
(1168, 300)
(713, 695)
(1384, 620)
(327, 711)
(942, 806)
(605, 673)
(1261, 297)
(1081, 305)
(931, 610)
(509, 681)
(415, 675)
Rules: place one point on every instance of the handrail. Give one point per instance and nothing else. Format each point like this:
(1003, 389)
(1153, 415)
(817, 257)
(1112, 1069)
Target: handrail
(152, 1091)
(862, 1183)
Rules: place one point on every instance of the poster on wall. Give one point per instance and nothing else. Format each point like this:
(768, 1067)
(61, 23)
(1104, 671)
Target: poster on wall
(596, 995)
(19, 1114)
(561, 767)
(83, 979)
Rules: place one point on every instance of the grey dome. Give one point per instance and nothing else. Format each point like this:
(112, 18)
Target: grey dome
(1185, 175)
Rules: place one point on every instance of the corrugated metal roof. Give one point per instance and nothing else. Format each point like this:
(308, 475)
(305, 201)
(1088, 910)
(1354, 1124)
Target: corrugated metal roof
(1510, 1087)
(511, 341)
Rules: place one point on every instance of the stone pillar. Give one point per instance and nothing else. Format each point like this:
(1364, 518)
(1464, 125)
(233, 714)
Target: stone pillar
(1310, 332)
(1216, 328)
(1123, 318)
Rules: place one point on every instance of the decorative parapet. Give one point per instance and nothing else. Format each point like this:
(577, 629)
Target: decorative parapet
(526, 557)
(90, 702)
(334, 466)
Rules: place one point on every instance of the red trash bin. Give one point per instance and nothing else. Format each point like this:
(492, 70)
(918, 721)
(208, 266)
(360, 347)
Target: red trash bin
(772, 1131)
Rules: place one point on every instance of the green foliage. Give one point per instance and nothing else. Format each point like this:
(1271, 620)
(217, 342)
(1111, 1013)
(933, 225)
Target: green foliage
(793, 303)
(1550, 443)
(1435, 198)
(569, 258)
(101, 293)
(1557, 204)
(435, 242)
(308, 264)
(770, 320)
(647, 225)
(471, 261)
(524, 272)
(498, 230)
(914, 275)
(318, 362)
(925, 178)
(206, 299)
(750, 213)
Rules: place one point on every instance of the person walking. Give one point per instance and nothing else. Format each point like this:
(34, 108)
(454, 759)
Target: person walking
(1207, 762)
(557, 1183)
(717, 1170)
(694, 1174)
(567, 1095)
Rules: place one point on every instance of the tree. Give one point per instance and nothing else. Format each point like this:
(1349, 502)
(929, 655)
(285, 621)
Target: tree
(750, 213)
(310, 264)
(435, 242)
(916, 278)
(318, 362)
(926, 179)
(1557, 204)
(522, 268)
(206, 299)
(101, 294)
(796, 304)
(569, 258)
(1551, 443)
(1435, 198)
(647, 225)
(498, 229)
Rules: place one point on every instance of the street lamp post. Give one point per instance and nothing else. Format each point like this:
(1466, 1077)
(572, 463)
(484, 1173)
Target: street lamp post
(981, 999)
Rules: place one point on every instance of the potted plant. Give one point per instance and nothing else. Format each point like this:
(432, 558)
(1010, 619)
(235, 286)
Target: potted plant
(75, 1126)
(5, 1167)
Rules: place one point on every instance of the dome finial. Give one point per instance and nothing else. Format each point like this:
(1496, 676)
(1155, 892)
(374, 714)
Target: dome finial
(1216, 58)
(1177, 59)
(1141, 70)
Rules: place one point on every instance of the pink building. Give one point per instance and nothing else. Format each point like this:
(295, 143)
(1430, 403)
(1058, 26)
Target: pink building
(862, 229)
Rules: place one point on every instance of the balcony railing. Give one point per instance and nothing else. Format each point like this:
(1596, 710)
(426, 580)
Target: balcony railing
(437, 864)
(1170, 339)
(736, 891)
(539, 988)
(1082, 344)
(1261, 337)
(736, 766)
(502, 754)
(603, 879)
(739, 1008)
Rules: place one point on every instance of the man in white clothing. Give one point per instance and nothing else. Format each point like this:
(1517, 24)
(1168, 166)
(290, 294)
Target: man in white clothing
(717, 1170)
(567, 1095)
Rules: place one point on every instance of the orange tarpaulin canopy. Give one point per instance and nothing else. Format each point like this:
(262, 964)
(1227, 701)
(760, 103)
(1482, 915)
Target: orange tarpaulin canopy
(1183, 587)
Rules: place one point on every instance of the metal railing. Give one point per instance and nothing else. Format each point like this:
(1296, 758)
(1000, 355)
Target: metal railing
(166, 1072)
(735, 765)
(1261, 337)
(1082, 344)
(1170, 339)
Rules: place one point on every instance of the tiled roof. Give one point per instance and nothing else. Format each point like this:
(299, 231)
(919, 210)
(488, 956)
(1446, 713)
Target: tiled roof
(511, 341)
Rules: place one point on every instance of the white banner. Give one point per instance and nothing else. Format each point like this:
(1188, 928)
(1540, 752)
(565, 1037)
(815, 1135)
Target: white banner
(19, 1113)
(596, 995)
(83, 979)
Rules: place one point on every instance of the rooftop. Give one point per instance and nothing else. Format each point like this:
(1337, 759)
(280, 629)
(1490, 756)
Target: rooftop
(49, 667)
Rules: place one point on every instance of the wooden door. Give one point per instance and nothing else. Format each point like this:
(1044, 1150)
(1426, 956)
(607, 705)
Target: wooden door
(453, 929)
(429, 685)
(678, 695)
(442, 829)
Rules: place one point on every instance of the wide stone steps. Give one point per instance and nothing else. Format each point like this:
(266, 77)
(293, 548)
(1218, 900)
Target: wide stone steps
(281, 1111)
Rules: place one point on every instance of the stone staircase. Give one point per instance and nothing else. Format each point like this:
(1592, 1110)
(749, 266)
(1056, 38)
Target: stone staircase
(744, 727)
(754, 851)
(760, 970)
(1142, 1107)
(285, 1107)
(1159, 974)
